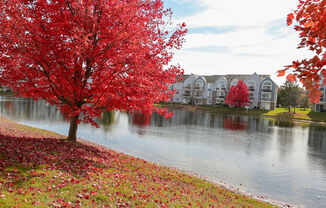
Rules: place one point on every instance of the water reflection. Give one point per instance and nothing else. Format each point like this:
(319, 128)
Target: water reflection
(107, 120)
(28, 109)
(317, 141)
(281, 160)
(140, 120)
(205, 119)
(284, 123)
(235, 123)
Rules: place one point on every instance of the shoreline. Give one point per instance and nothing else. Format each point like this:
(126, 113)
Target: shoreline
(296, 120)
(229, 187)
(250, 112)
(220, 185)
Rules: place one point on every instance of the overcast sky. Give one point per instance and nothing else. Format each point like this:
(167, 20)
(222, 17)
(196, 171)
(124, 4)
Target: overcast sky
(236, 37)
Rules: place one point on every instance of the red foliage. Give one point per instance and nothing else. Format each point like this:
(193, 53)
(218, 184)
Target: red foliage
(291, 77)
(238, 95)
(89, 56)
(55, 154)
(310, 23)
(290, 19)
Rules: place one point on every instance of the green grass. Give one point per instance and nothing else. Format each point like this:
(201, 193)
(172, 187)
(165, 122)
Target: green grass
(300, 114)
(41, 169)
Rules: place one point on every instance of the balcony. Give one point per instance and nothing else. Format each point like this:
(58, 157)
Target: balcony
(186, 93)
(267, 89)
(266, 99)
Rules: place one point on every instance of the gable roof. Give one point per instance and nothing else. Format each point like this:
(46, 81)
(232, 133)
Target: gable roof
(229, 77)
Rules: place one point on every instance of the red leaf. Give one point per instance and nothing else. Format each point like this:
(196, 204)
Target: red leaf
(290, 19)
(281, 73)
(291, 77)
(310, 19)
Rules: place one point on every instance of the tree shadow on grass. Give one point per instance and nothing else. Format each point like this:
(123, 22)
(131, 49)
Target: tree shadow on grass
(20, 156)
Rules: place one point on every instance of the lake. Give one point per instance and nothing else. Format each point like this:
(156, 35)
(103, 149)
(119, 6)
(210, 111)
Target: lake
(281, 161)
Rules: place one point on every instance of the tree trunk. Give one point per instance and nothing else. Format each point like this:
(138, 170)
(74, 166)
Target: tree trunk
(72, 136)
(294, 108)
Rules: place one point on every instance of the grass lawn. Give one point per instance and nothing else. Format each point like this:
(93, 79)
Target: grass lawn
(40, 169)
(302, 114)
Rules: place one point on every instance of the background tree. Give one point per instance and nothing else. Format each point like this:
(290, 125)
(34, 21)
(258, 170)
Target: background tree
(289, 95)
(238, 95)
(304, 99)
(89, 56)
(310, 21)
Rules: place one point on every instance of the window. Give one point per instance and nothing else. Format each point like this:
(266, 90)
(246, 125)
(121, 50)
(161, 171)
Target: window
(267, 86)
(251, 86)
(199, 83)
(221, 84)
(266, 96)
(234, 82)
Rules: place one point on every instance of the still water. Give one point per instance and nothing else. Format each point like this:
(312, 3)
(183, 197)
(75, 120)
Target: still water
(282, 162)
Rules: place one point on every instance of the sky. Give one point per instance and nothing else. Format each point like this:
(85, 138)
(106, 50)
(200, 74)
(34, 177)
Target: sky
(236, 37)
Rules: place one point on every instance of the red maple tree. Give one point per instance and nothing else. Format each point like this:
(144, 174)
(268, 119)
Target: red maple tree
(238, 95)
(89, 56)
(310, 23)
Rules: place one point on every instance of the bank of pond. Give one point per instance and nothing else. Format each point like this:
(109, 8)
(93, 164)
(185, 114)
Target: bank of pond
(294, 114)
(40, 169)
(261, 157)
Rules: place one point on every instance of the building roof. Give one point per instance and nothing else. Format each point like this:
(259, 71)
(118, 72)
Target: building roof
(214, 78)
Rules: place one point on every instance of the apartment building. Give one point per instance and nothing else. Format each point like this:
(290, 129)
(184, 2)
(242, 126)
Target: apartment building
(212, 90)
